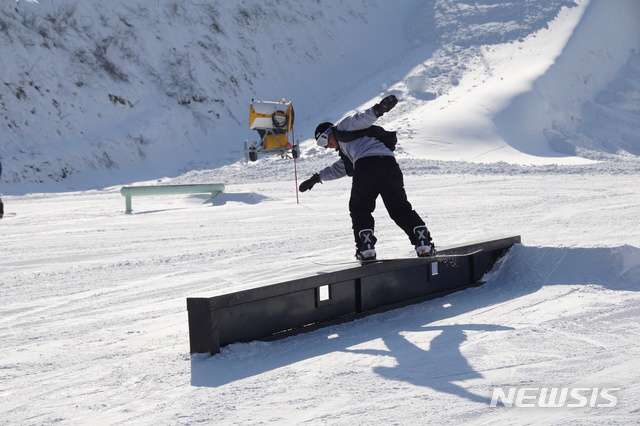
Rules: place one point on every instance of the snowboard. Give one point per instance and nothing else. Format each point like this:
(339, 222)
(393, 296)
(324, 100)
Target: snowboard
(8, 215)
(436, 257)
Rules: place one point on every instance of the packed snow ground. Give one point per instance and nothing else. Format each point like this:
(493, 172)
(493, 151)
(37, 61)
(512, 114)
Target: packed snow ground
(93, 322)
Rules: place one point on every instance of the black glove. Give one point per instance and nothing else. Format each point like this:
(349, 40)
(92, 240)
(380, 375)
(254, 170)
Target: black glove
(385, 105)
(308, 184)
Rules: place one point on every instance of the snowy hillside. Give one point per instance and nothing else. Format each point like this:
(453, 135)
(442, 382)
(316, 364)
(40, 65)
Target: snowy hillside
(136, 89)
(156, 85)
(515, 118)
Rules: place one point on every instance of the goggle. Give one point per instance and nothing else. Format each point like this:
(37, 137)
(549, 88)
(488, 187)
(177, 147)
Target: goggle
(323, 139)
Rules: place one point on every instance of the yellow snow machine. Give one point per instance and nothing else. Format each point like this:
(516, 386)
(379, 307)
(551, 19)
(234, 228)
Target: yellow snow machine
(274, 123)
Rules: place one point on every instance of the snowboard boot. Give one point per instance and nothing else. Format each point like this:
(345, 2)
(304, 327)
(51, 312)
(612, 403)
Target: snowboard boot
(366, 244)
(424, 245)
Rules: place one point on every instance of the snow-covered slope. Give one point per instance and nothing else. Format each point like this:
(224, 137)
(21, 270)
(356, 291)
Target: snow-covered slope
(95, 94)
(157, 85)
(94, 328)
(524, 100)
(93, 322)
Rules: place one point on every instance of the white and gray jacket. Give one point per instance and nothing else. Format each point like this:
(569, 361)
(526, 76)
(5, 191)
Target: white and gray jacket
(365, 146)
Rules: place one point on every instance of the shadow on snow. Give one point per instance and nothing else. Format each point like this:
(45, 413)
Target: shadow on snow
(523, 271)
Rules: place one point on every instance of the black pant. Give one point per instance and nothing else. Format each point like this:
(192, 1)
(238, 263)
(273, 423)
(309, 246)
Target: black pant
(375, 176)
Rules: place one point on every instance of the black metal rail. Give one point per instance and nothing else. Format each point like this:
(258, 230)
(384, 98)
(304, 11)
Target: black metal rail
(306, 304)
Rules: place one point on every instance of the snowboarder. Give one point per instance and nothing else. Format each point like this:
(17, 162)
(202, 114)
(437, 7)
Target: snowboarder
(366, 154)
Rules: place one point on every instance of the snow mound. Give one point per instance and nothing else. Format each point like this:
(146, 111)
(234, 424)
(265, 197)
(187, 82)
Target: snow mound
(532, 100)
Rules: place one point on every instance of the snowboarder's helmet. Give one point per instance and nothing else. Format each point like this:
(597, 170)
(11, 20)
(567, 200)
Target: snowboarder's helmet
(322, 133)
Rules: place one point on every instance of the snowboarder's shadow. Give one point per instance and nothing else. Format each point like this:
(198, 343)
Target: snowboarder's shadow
(525, 271)
(436, 368)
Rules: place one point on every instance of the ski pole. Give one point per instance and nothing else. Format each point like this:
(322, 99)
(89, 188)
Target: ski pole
(295, 164)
